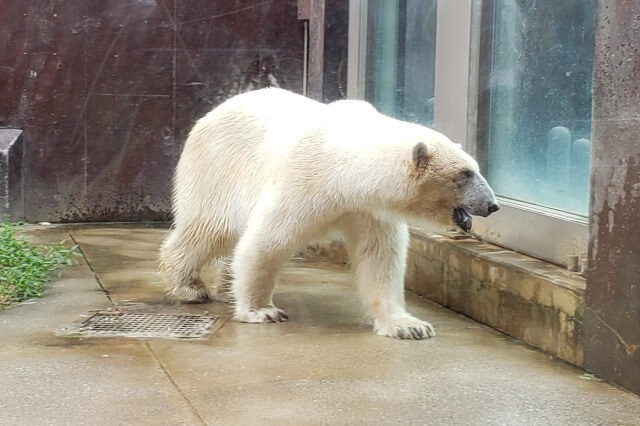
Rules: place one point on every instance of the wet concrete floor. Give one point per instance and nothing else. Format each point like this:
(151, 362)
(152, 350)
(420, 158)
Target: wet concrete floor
(323, 366)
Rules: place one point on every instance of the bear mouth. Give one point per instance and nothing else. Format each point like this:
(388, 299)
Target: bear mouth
(462, 218)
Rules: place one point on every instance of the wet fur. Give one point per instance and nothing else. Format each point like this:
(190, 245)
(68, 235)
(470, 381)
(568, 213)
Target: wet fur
(269, 171)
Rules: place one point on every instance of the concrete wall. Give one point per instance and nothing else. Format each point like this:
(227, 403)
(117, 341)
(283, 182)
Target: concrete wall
(612, 315)
(531, 300)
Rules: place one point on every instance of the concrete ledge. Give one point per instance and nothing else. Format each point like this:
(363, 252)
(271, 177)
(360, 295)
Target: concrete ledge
(11, 174)
(531, 300)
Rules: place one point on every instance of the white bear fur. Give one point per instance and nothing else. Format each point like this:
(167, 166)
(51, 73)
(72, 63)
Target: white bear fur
(268, 171)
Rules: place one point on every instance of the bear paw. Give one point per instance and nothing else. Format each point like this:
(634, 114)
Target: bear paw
(261, 315)
(192, 294)
(404, 327)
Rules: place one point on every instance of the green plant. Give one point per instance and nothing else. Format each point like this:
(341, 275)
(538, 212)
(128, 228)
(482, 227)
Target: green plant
(24, 267)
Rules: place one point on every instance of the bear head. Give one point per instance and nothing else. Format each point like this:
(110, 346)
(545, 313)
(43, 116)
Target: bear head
(444, 183)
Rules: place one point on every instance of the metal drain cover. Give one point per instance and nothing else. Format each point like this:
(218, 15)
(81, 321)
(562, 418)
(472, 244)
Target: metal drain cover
(145, 324)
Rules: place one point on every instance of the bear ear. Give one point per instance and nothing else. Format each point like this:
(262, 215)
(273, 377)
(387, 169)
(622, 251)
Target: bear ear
(420, 155)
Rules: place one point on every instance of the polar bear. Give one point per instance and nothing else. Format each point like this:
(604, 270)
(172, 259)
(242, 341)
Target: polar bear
(268, 171)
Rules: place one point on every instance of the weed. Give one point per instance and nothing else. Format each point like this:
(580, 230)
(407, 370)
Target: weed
(25, 268)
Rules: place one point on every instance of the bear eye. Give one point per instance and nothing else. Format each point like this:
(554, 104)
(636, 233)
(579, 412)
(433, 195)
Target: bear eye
(463, 177)
(466, 173)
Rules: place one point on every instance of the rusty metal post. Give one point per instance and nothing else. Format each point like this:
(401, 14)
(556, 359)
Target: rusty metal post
(612, 314)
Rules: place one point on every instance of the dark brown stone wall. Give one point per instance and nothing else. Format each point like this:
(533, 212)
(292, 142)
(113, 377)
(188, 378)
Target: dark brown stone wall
(106, 92)
(612, 314)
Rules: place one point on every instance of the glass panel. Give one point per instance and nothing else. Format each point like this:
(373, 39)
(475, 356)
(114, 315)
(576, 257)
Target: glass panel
(540, 102)
(401, 58)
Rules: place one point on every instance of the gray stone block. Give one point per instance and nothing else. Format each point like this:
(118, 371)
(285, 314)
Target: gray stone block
(11, 175)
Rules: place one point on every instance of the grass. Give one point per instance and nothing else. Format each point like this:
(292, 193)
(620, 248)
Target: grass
(25, 267)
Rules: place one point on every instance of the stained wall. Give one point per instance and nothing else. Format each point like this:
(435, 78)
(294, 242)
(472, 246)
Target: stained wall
(612, 314)
(107, 91)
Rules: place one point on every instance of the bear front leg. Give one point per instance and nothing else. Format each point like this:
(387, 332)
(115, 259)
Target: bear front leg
(255, 269)
(378, 252)
(259, 255)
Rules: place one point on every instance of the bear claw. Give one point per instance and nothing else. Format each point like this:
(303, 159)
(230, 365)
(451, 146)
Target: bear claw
(262, 315)
(405, 327)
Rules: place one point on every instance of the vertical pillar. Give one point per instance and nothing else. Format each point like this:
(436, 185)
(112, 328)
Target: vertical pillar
(612, 314)
(312, 11)
(453, 39)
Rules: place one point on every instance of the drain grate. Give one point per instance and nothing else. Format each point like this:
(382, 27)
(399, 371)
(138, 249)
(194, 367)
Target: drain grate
(141, 324)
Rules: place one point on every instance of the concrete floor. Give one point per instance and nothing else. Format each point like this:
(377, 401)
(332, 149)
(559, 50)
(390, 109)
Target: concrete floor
(323, 366)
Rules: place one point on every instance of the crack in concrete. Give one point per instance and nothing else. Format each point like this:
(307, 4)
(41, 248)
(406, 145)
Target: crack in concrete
(629, 348)
(231, 12)
(155, 357)
(173, 382)
(93, 272)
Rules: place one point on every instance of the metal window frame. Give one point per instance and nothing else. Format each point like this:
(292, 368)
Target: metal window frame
(463, 46)
(357, 50)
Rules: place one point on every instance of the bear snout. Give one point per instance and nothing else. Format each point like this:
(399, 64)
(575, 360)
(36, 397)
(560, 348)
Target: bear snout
(493, 207)
(477, 197)
(483, 209)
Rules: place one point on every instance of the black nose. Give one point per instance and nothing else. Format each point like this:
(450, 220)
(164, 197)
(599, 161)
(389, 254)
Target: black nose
(493, 208)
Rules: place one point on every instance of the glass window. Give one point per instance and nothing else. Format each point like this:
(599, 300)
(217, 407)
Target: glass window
(540, 102)
(517, 81)
(401, 58)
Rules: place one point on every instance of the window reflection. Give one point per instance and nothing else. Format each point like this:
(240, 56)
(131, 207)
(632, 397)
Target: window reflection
(401, 58)
(540, 102)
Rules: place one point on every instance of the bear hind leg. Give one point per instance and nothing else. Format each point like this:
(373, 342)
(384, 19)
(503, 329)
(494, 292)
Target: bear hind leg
(182, 256)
